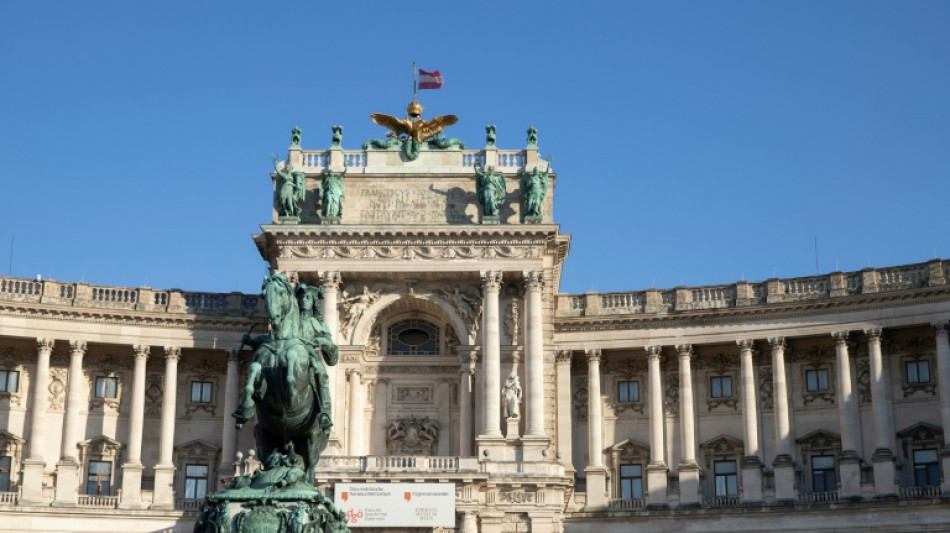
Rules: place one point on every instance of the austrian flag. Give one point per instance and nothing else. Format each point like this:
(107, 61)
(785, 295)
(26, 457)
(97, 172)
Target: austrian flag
(430, 80)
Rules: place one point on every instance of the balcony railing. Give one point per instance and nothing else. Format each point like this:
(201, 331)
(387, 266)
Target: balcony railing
(106, 502)
(190, 504)
(626, 504)
(8, 498)
(722, 501)
(396, 463)
(818, 497)
(919, 493)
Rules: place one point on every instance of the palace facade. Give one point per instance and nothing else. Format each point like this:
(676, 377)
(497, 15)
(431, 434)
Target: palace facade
(804, 404)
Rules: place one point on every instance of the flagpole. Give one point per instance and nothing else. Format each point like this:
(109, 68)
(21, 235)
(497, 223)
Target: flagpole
(415, 80)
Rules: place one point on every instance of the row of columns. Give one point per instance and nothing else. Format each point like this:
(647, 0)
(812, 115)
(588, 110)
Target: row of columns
(68, 468)
(783, 463)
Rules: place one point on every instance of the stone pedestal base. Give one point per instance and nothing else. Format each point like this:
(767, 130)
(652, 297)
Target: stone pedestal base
(488, 219)
(850, 468)
(689, 485)
(884, 486)
(784, 468)
(596, 487)
(491, 448)
(32, 484)
(164, 495)
(329, 220)
(657, 486)
(536, 448)
(532, 220)
(751, 481)
(67, 483)
(131, 486)
(288, 220)
(511, 431)
(469, 523)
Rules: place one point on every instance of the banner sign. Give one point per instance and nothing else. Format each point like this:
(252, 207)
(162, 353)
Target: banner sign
(396, 504)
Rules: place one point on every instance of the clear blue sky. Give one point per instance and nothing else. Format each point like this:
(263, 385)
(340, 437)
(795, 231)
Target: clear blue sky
(695, 142)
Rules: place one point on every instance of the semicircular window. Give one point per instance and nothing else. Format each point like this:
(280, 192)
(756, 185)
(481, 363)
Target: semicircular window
(413, 337)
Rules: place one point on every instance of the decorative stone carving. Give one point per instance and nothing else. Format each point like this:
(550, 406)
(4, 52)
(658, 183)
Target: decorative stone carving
(579, 402)
(512, 321)
(154, 391)
(765, 388)
(863, 377)
(451, 341)
(411, 253)
(373, 344)
(353, 307)
(820, 441)
(671, 399)
(57, 389)
(198, 452)
(412, 436)
(516, 496)
(413, 394)
(516, 523)
(468, 307)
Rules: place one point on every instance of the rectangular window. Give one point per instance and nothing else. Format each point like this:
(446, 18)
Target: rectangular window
(926, 469)
(917, 372)
(196, 482)
(9, 380)
(107, 387)
(6, 463)
(99, 480)
(720, 387)
(726, 480)
(631, 482)
(823, 474)
(201, 391)
(628, 391)
(816, 380)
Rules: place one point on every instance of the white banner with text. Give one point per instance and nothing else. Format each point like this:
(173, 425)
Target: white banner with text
(396, 504)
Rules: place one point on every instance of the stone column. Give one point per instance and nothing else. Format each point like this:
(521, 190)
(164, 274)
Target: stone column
(849, 462)
(466, 372)
(596, 473)
(132, 469)
(32, 485)
(657, 470)
(164, 495)
(228, 430)
(67, 469)
(751, 463)
(784, 465)
(534, 285)
(562, 371)
(883, 458)
(355, 414)
(469, 523)
(688, 469)
(943, 382)
(331, 315)
(491, 356)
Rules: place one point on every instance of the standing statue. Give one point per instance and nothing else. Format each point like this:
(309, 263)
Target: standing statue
(490, 189)
(532, 137)
(354, 307)
(337, 136)
(295, 137)
(490, 136)
(512, 396)
(290, 189)
(332, 193)
(534, 186)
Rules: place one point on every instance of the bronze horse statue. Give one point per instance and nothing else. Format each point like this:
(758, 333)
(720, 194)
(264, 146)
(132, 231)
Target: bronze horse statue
(287, 381)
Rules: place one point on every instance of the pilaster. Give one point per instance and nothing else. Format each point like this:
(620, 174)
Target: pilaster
(34, 465)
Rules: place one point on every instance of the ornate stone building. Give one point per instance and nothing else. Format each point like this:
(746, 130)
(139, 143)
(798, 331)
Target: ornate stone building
(805, 404)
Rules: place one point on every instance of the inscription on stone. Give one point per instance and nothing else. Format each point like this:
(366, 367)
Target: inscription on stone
(412, 394)
(415, 205)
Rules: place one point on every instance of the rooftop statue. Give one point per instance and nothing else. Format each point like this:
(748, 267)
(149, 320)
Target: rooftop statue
(412, 130)
(331, 193)
(534, 186)
(290, 190)
(532, 137)
(295, 137)
(337, 136)
(490, 136)
(490, 189)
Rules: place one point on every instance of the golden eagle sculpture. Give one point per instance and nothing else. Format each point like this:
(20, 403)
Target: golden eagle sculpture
(411, 131)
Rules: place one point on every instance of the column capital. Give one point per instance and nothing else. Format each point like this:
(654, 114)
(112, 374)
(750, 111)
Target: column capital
(653, 352)
(840, 337)
(172, 353)
(533, 280)
(234, 355)
(44, 344)
(874, 334)
(941, 327)
(77, 347)
(563, 356)
(685, 350)
(777, 343)
(745, 345)
(331, 280)
(352, 371)
(594, 355)
(491, 280)
(140, 350)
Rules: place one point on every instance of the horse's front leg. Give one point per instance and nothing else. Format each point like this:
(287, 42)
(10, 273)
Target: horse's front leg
(245, 409)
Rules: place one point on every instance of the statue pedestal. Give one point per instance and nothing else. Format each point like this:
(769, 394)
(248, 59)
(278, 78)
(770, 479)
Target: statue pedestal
(511, 432)
(489, 219)
(67, 483)
(288, 220)
(329, 220)
(532, 220)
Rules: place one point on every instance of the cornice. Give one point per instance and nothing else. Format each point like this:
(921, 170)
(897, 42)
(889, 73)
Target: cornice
(347, 232)
(734, 315)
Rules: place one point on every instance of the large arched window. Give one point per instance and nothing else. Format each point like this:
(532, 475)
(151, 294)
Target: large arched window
(413, 337)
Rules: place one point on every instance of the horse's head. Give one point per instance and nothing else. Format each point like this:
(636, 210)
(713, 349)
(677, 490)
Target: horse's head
(278, 298)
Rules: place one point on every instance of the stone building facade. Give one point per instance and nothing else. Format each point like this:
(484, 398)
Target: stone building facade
(804, 404)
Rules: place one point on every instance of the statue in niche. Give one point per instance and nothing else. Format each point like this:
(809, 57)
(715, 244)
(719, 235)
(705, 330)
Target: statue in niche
(534, 186)
(295, 137)
(532, 137)
(290, 190)
(331, 193)
(512, 321)
(464, 305)
(512, 396)
(490, 189)
(354, 307)
(490, 136)
(337, 136)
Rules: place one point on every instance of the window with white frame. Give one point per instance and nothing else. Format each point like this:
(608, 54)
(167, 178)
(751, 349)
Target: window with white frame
(818, 383)
(816, 380)
(628, 391)
(9, 381)
(926, 468)
(823, 478)
(196, 481)
(202, 391)
(107, 387)
(727, 481)
(99, 478)
(720, 387)
(631, 482)
(918, 375)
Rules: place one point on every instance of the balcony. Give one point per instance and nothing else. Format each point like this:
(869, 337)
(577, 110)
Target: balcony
(920, 493)
(626, 504)
(818, 497)
(101, 502)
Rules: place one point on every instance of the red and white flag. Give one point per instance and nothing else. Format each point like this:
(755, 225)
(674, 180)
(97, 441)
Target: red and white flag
(430, 80)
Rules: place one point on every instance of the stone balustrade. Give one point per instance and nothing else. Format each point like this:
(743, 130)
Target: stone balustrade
(745, 294)
(84, 295)
(627, 504)
(8, 498)
(395, 463)
(106, 502)
(452, 161)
